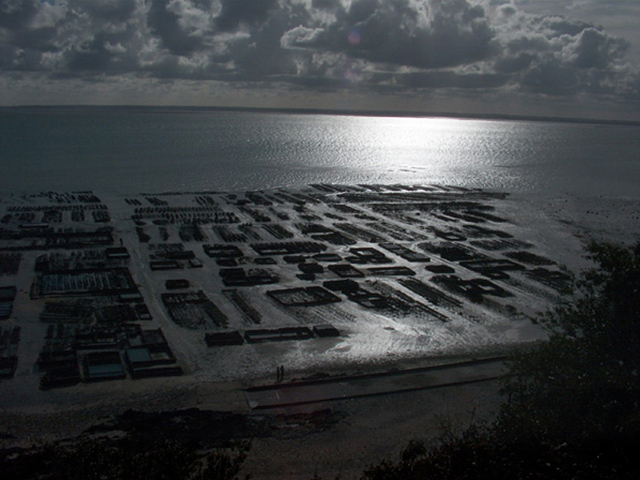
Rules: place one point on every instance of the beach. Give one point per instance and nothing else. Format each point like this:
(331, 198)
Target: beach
(406, 276)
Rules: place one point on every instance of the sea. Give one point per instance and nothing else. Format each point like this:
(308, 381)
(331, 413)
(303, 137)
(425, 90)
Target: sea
(152, 150)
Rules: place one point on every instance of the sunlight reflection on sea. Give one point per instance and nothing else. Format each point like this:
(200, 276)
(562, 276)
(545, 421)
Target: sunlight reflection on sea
(131, 150)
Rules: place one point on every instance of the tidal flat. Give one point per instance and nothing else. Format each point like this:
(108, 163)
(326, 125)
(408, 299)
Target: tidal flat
(174, 300)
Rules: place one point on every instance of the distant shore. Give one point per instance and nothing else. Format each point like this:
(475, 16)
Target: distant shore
(319, 111)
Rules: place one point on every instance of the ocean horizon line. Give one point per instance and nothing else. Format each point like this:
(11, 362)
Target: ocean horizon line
(321, 111)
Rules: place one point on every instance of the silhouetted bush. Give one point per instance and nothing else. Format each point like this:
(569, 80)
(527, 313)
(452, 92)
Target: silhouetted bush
(572, 402)
(122, 459)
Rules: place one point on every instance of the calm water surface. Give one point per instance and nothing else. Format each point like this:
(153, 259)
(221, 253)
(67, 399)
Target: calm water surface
(130, 151)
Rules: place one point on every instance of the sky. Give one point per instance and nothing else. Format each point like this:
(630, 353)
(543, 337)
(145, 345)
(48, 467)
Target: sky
(567, 58)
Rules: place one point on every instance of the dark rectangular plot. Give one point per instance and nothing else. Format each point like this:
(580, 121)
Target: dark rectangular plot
(222, 251)
(193, 309)
(395, 271)
(370, 255)
(440, 269)
(327, 257)
(326, 331)
(475, 231)
(115, 253)
(164, 265)
(116, 314)
(311, 267)
(429, 293)
(405, 252)
(104, 366)
(403, 302)
(368, 299)
(226, 262)
(360, 233)
(455, 254)
(96, 281)
(264, 261)
(148, 356)
(346, 271)
(334, 238)
(143, 312)
(491, 264)
(529, 258)
(229, 235)
(8, 366)
(344, 208)
(60, 376)
(278, 231)
(243, 305)
(323, 188)
(303, 297)
(56, 359)
(450, 235)
(451, 251)
(239, 277)
(392, 230)
(278, 334)
(474, 289)
(287, 248)
(5, 310)
(313, 228)
(558, 280)
(343, 286)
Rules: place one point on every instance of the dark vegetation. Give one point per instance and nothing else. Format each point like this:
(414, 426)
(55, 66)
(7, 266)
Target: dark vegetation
(571, 409)
(571, 403)
(130, 458)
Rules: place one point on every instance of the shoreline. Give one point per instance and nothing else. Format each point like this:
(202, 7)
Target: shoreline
(319, 111)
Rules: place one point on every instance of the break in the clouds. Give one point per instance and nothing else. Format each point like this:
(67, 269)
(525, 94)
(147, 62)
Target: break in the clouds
(390, 47)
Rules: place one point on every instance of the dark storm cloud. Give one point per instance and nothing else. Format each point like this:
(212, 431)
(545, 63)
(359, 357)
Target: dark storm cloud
(114, 10)
(166, 24)
(428, 35)
(550, 76)
(514, 63)
(93, 56)
(594, 49)
(452, 80)
(261, 53)
(250, 12)
(559, 56)
(16, 14)
(326, 4)
(382, 45)
(16, 30)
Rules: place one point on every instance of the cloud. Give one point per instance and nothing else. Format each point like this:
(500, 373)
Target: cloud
(168, 20)
(559, 56)
(370, 45)
(425, 35)
(109, 10)
(249, 12)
